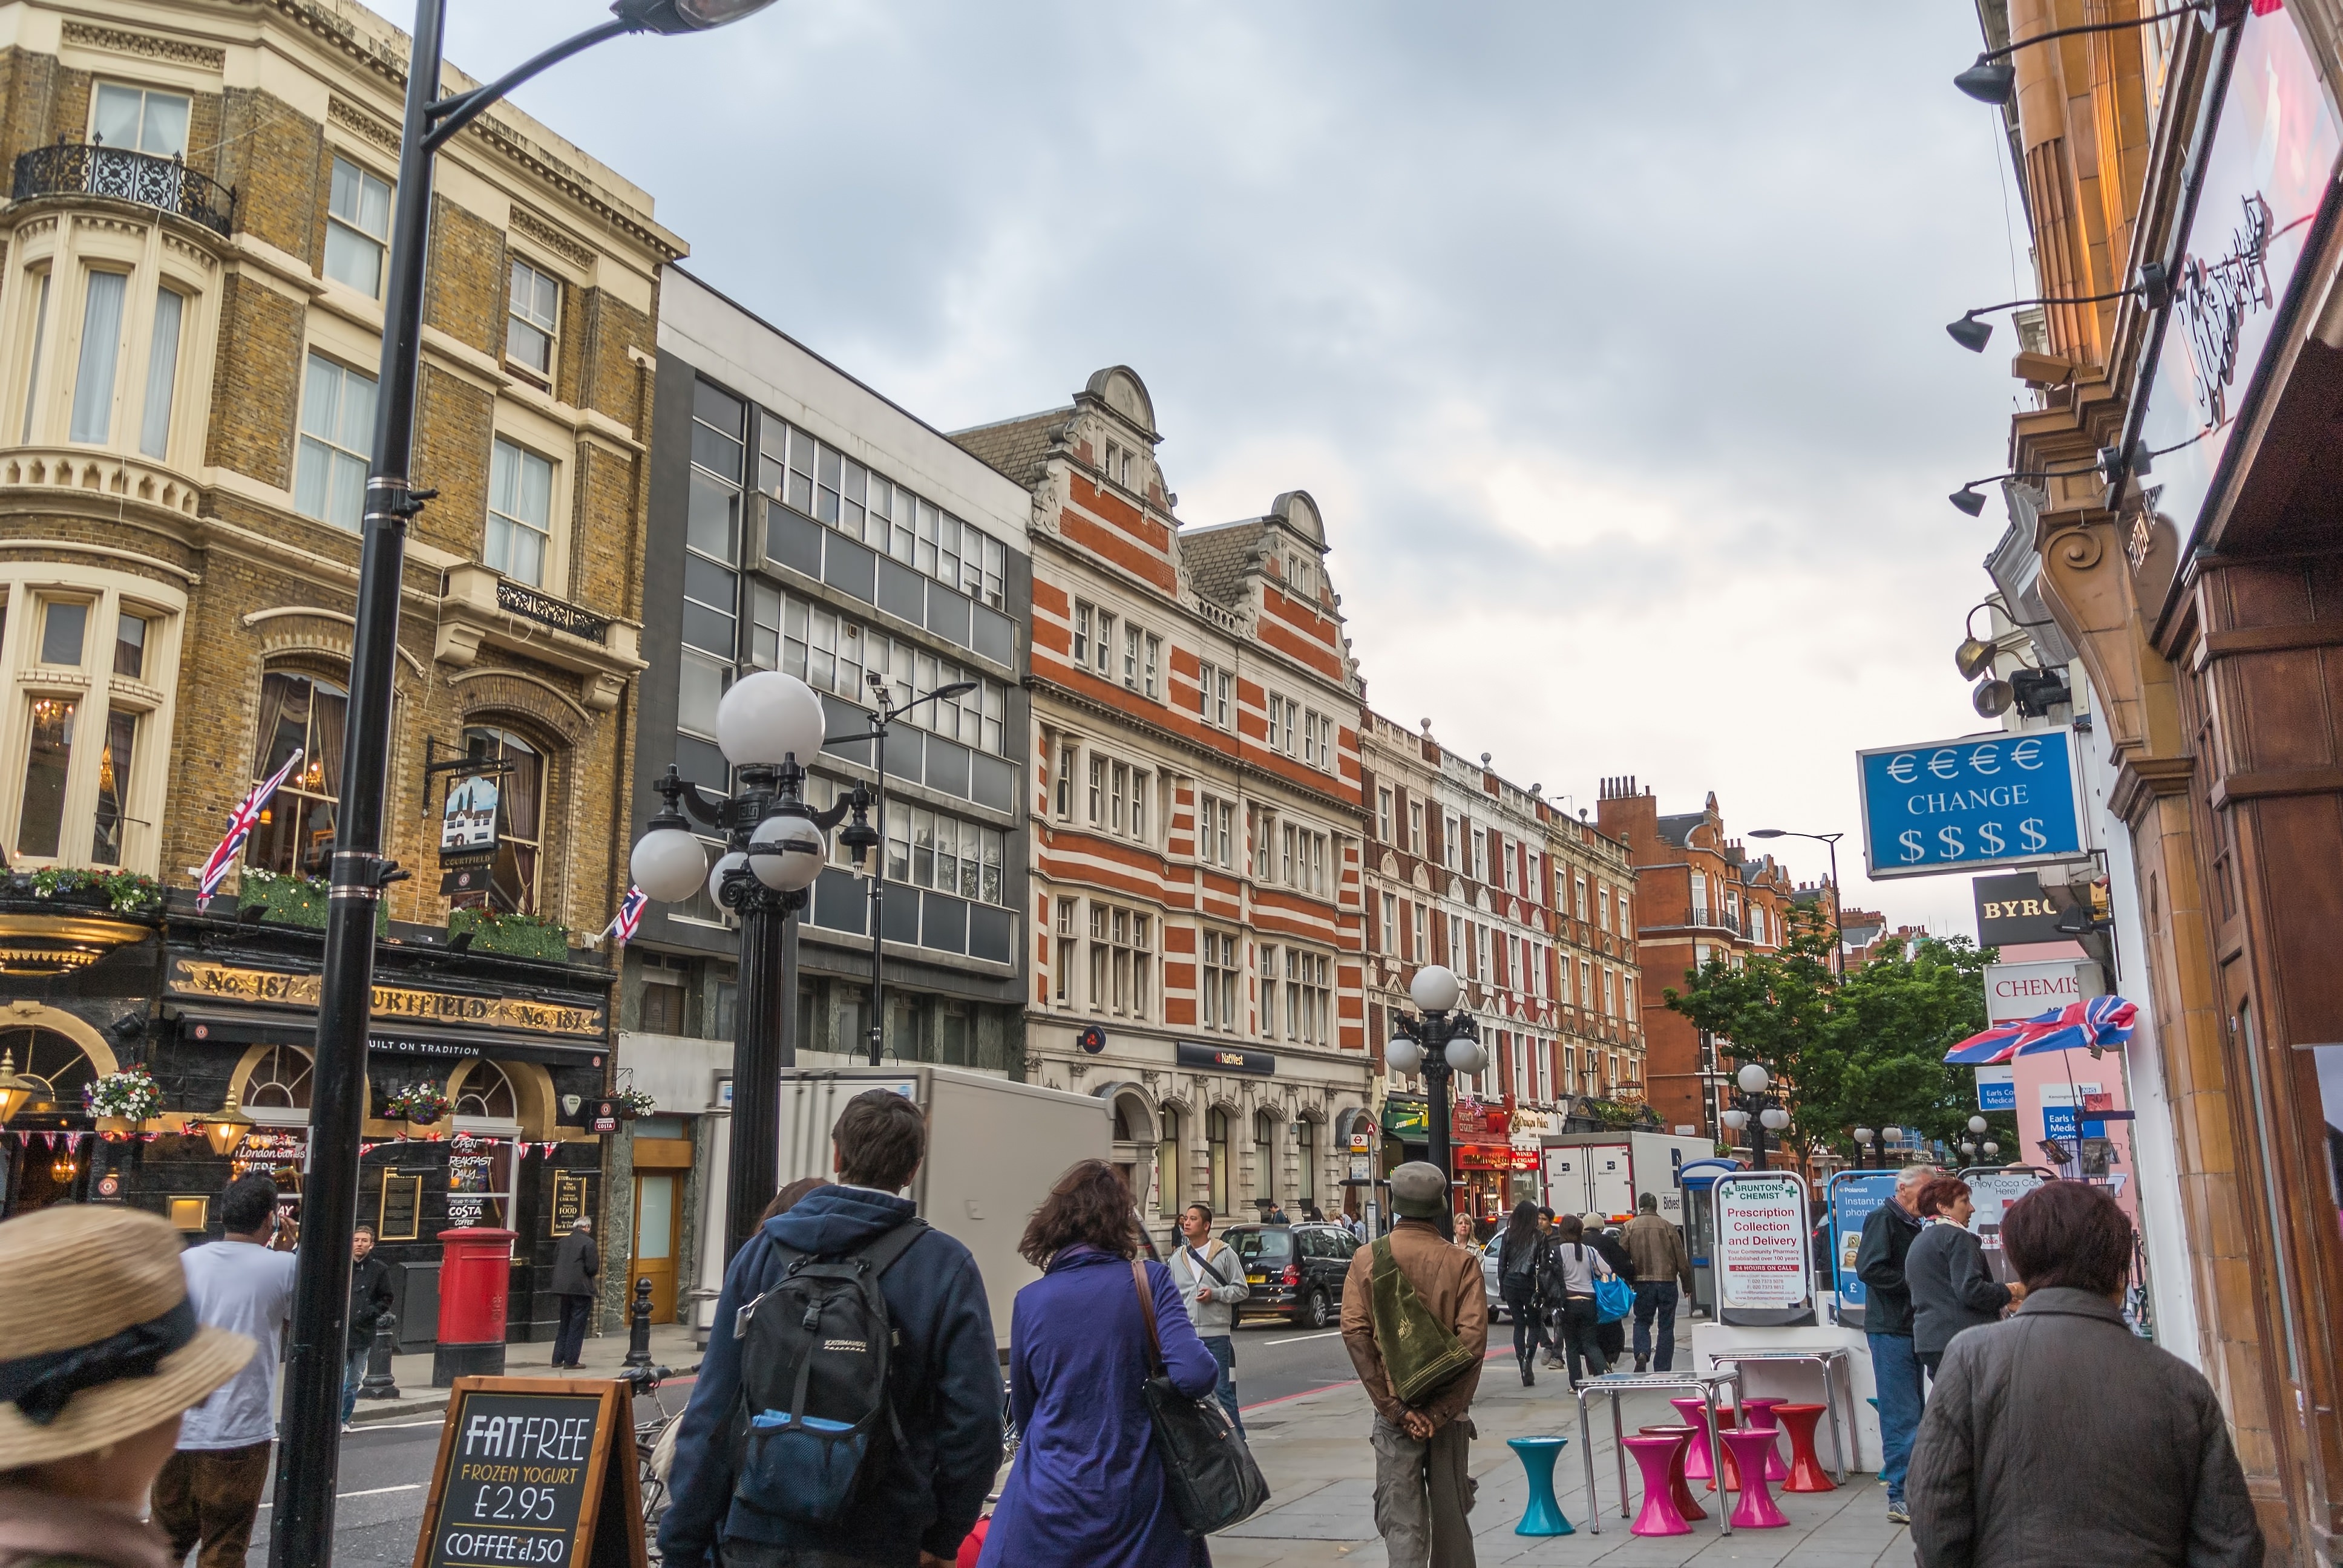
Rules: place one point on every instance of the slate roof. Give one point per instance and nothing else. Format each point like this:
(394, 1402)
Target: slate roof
(1216, 559)
(1018, 448)
(1678, 830)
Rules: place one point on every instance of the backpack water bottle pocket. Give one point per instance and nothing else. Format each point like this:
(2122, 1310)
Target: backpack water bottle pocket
(803, 1471)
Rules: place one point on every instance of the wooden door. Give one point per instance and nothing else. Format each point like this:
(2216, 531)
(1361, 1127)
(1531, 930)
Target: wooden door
(658, 1217)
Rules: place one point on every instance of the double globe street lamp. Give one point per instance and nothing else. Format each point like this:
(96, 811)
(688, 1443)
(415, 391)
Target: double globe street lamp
(1978, 1143)
(1756, 1106)
(301, 1533)
(775, 847)
(1439, 1041)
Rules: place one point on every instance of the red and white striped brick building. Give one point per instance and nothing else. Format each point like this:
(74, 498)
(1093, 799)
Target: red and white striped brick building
(1198, 918)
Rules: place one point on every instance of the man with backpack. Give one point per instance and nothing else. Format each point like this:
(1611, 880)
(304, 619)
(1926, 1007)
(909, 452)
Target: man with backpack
(1211, 1281)
(847, 1414)
(1415, 1320)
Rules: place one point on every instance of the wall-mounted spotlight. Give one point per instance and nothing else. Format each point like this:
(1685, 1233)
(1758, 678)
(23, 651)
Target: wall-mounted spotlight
(1992, 698)
(2154, 288)
(1993, 80)
(1970, 499)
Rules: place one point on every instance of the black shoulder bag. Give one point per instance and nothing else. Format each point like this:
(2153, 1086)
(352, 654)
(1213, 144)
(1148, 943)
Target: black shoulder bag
(1207, 1468)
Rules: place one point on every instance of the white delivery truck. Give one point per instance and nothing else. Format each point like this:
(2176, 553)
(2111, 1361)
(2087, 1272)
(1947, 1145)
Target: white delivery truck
(1605, 1173)
(994, 1150)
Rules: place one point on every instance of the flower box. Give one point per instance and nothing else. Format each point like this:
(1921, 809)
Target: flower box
(296, 900)
(516, 936)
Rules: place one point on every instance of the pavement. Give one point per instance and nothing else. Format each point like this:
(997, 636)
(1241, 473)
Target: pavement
(672, 1347)
(1312, 1449)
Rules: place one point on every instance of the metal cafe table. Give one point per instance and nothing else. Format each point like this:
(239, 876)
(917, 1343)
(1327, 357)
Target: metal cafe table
(1613, 1385)
(1835, 1362)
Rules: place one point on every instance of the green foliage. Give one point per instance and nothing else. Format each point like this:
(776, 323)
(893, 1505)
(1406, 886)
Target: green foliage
(1865, 1049)
(295, 900)
(126, 892)
(1613, 1113)
(519, 936)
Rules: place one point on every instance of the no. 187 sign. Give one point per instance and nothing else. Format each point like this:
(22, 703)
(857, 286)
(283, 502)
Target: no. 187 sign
(2005, 799)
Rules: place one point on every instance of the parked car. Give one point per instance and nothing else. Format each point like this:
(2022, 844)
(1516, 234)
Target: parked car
(1292, 1272)
(1489, 1281)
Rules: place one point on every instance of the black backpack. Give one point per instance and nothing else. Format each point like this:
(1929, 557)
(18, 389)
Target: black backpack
(814, 1421)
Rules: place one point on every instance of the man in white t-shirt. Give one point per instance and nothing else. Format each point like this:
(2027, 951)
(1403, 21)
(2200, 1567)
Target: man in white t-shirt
(210, 1489)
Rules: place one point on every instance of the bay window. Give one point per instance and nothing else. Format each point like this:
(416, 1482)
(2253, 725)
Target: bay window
(101, 355)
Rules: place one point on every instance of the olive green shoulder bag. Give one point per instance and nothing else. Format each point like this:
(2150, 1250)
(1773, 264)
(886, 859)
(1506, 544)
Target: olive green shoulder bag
(1420, 1353)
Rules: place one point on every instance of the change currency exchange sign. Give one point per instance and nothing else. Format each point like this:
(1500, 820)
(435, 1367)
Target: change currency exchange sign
(2002, 799)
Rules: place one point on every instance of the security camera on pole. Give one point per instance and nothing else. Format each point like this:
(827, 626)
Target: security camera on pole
(1440, 1042)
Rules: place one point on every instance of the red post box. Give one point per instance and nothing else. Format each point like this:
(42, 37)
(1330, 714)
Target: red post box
(475, 1275)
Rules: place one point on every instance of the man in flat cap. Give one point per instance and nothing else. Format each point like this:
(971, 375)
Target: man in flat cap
(1416, 1323)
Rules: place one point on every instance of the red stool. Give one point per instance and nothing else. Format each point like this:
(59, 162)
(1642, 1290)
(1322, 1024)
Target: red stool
(1806, 1472)
(1695, 1412)
(1658, 1457)
(1692, 1435)
(1756, 1510)
(1760, 1418)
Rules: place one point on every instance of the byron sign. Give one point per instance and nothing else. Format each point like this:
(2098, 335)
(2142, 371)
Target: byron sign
(1954, 805)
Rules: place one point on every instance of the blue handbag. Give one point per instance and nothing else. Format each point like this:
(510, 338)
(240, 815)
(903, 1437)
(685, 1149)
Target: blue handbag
(1615, 1298)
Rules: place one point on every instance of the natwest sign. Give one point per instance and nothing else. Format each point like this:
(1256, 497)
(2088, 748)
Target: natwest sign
(2014, 992)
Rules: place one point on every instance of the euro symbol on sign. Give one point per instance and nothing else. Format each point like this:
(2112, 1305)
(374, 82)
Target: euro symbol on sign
(1986, 759)
(1945, 763)
(2026, 754)
(1904, 768)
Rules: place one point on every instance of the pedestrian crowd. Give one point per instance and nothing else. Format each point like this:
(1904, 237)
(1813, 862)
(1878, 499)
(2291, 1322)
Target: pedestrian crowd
(850, 1409)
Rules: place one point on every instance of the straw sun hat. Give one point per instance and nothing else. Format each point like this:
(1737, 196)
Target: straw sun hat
(102, 1341)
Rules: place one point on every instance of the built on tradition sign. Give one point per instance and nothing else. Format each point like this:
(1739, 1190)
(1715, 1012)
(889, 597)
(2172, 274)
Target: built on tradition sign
(1760, 1256)
(2008, 798)
(226, 982)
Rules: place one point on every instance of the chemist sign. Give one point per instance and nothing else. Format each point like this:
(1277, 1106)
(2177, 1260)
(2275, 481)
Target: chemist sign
(2002, 799)
(1764, 1265)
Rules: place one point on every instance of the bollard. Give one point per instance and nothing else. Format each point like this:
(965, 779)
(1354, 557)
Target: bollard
(379, 1382)
(638, 1338)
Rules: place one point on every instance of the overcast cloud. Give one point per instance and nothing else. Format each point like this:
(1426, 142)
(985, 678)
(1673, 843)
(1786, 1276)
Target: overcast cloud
(1610, 339)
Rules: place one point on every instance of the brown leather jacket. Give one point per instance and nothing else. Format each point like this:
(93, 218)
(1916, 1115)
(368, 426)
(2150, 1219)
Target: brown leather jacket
(1657, 1250)
(1448, 1278)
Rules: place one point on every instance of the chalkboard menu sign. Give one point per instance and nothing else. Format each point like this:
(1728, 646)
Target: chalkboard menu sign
(402, 1208)
(526, 1469)
(573, 1199)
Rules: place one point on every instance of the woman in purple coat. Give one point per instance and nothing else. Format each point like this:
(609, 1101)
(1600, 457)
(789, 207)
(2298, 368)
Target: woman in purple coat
(1087, 1490)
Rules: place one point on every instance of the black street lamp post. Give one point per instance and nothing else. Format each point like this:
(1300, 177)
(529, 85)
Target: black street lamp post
(1755, 1110)
(1439, 1044)
(301, 1535)
(1838, 933)
(861, 836)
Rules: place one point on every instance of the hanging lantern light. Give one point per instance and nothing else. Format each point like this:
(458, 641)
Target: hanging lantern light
(224, 1128)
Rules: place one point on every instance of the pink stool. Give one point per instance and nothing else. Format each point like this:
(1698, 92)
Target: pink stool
(1658, 1457)
(1760, 1418)
(1730, 1479)
(1695, 1412)
(1756, 1510)
(1685, 1503)
(1806, 1472)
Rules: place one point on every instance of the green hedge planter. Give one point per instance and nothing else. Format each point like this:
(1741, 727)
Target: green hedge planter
(517, 936)
(298, 901)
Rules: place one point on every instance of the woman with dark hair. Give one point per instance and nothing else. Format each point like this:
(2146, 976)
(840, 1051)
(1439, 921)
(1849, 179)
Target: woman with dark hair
(2014, 1464)
(787, 1197)
(1088, 1486)
(1952, 1287)
(1521, 1260)
(1573, 1268)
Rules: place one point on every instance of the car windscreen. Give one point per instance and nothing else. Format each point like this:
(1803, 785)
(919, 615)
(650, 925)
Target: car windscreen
(1261, 1245)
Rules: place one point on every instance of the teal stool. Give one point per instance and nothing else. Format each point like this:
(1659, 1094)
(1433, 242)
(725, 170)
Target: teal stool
(1543, 1515)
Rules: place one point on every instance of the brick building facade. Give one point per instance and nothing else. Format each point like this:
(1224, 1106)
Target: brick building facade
(189, 330)
(1194, 766)
(1701, 896)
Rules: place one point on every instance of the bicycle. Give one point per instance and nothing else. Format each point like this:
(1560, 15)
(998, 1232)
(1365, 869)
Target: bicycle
(653, 1452)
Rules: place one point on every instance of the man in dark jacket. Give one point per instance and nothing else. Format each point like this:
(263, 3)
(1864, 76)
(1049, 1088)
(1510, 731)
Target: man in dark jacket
(370, 1297)
(1662, 1263)
(576, 1268)
(925, 1498)
(1888, 1234)
(2014, 1468)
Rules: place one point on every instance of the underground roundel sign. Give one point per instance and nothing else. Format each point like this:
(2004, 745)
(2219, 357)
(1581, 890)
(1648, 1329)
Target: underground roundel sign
(1092, 1039)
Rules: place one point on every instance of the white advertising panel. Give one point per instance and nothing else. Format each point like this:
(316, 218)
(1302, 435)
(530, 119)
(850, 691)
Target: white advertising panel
(1762, 1258)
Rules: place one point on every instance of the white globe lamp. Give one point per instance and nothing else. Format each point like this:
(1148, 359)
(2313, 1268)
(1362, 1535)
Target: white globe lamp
(1862, 1136)
(1752, 1079)
(1892, 1134)
(786, 852)
(1737, 1119)
(669, 864)
(769, 717)
(1435, 988)
(723, 869)
(1402, 1055)
(1977, 1124)
(1774, 1118)
(1465, 1055)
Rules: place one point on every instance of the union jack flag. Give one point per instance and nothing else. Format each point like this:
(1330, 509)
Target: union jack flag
(629, 916)
(2101, 1021)
(240, 823)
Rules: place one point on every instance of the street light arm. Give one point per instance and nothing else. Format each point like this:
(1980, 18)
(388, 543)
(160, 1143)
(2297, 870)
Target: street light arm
(886, 716)
(453, 114)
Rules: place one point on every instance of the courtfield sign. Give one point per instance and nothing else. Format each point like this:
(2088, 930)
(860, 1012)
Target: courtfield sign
(274, 988)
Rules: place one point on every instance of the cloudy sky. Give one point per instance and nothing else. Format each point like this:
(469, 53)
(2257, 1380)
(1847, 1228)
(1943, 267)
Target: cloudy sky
(1610, 339)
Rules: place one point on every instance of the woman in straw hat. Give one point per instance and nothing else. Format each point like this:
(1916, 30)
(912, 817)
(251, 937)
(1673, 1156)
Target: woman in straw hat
(103, 1353)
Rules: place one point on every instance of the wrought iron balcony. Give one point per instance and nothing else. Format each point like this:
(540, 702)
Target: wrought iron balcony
(553, 612)
(89, 168)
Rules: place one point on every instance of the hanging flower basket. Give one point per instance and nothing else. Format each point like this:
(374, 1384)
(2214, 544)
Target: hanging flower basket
(634, 1102)
(126, 1098)
(418, 1105)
